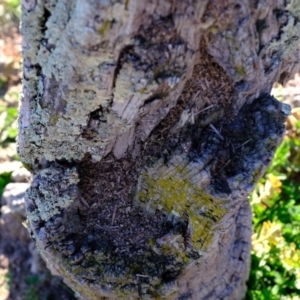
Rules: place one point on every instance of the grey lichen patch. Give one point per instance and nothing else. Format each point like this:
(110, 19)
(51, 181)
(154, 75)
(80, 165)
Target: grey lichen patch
(254, 63)
(288, 44)
(65, 130)
(52, 191)
(58, 96)
(71, 72)
(294, 7)
(103, 22)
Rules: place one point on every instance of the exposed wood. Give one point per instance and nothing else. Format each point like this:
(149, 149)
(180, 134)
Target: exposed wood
(146, 125)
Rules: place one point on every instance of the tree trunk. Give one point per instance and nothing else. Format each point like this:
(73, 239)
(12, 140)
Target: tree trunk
(146, 124)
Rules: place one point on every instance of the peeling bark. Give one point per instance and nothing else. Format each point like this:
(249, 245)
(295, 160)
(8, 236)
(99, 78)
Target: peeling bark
(146, 125)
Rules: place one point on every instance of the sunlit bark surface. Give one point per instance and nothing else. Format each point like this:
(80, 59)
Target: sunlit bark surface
(146, 125)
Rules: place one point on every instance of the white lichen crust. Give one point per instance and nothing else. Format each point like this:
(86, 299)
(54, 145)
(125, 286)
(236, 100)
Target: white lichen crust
(53, 190)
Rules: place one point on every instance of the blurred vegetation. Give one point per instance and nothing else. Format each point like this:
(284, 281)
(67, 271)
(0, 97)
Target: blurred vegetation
(8, 124)
(275, 270)
(9, 84)
(9, 13)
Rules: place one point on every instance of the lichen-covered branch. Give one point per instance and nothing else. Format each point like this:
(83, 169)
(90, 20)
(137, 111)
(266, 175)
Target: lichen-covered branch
(146, 125)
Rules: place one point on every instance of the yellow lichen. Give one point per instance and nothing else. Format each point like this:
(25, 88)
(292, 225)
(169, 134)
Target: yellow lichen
(179, 197)
(214, 29)
(53, 119)
(103, 29)
(240, 70)
(143, 90)
(126, 4)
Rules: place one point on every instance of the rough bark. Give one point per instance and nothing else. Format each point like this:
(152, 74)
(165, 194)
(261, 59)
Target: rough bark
(146, 124)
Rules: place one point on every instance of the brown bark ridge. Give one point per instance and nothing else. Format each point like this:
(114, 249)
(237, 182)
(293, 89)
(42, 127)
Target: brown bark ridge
(146, 124)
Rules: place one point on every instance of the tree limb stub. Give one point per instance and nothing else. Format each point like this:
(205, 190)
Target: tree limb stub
(146, 126)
